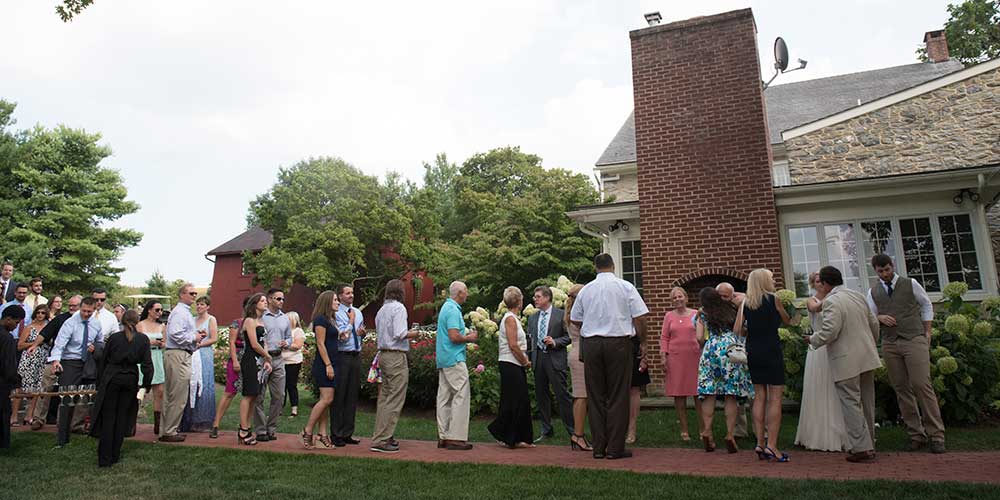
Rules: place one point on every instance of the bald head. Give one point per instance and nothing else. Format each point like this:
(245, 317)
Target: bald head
(728, 293)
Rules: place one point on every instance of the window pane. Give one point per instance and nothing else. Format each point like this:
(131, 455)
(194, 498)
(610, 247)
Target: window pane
(632, 263)
(918, 252)
(877, 238)
(805, 257)
(961, 262)
(842, 252)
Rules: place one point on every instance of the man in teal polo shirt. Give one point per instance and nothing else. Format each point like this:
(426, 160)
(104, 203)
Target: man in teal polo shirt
(453, 376)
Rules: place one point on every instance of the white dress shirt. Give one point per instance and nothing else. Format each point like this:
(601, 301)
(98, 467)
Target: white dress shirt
(926, 307)
(606, 306)
(390, 324)
(181, 328)
(69, 342)
(108, 322)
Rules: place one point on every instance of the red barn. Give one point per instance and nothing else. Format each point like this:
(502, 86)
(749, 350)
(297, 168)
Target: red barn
(231, 284)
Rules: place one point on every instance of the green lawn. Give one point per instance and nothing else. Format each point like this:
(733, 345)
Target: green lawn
(32, 469)
(656, 428)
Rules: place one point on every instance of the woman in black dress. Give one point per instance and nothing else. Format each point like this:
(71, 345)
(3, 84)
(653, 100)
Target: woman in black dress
(640, 379)
(762, 315)
(255, 359)
(116, 405)
(512, 427)
(325, 328)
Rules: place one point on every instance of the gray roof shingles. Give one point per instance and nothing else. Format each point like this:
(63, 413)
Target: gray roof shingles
(794, 104)
(254, 238)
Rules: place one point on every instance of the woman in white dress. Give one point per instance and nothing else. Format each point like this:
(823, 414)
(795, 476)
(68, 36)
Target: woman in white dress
(821, 420)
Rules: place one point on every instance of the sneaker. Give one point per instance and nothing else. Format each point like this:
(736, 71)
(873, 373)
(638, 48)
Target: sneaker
(393, 441)
(937, 447)
(385, 448)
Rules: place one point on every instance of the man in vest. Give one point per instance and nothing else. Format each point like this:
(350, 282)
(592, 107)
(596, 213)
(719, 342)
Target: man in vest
(904, 312)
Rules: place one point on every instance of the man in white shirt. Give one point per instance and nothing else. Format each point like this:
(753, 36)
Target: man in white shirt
(7, 283)
(35, 297)
(609, 312)
(107, 319)
(904, 313)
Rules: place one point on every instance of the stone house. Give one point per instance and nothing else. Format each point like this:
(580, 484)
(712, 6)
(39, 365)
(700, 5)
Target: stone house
(712, 176)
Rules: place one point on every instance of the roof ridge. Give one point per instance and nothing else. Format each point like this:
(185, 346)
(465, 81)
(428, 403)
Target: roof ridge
(831, 77)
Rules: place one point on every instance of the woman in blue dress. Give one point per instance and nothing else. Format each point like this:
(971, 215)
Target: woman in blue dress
(325, 328)
(201, 416)
(717, 376)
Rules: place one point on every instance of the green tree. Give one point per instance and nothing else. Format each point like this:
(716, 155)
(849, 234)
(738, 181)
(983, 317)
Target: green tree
(331, 223)
(71, 8)
(513, 226)
(972, 30)
(57, 204)
(157, 284)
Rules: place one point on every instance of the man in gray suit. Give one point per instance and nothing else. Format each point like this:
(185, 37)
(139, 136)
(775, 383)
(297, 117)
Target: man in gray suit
(849, 330)
(547, 341)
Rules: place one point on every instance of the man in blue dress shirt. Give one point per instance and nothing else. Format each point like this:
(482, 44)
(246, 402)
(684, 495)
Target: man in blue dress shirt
(79, 338)
(351, 325)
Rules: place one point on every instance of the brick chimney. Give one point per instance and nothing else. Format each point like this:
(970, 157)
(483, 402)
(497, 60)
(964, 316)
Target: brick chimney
(937, 46)
(703, 156)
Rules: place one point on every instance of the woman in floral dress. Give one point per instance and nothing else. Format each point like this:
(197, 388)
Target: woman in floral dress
(717, 376)
(32, 361)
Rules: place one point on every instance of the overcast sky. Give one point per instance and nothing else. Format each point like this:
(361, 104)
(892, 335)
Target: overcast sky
(201, 101)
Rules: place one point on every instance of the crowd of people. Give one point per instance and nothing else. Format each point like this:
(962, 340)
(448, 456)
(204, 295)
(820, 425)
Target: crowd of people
(590, 358)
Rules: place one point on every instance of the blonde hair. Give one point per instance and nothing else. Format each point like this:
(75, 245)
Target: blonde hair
(293, 318)
(759, 283)
(512, 297)
(570, 300)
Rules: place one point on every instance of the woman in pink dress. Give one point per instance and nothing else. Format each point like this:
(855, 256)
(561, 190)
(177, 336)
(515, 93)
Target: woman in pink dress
(680, 349)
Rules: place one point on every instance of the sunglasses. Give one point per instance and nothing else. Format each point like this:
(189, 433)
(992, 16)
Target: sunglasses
(279, 299)
(193, 294)
(158, 310)
(100, 300)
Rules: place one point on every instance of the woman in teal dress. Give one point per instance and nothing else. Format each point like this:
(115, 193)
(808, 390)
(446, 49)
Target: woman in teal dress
(717, 376)
(149, 324)
(201, 416)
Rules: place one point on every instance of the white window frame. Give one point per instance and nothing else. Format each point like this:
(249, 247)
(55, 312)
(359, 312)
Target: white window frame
(780, 175)
(867, 273)
(621, 255)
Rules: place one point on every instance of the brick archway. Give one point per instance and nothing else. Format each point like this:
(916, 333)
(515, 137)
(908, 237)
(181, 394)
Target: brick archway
(693, 282)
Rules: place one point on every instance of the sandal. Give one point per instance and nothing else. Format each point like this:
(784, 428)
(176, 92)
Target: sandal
(774, 457)
(579, 442)
(685, 437)
(307, 440)
(761, 454)
(246, 437)
(324, 440)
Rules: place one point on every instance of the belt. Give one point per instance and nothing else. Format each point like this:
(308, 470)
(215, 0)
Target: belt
(179, 349)
(274, 353)
(391, 350)
(349, 353)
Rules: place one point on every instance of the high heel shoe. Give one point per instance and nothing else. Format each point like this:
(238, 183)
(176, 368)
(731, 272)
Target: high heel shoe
(731, 445)
(307, 440)
(685, 437)
(325, 440)
(574, 443)
(245, 437)
(774, 457)
(709, 444)
(761, 454)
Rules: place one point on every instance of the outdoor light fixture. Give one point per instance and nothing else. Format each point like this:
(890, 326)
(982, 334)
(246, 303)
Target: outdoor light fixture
(973, 196)
(653, 18)
(619, 224)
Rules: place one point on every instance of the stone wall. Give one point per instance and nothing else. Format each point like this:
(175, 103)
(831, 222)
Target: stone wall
(952, 127)
(626, 188)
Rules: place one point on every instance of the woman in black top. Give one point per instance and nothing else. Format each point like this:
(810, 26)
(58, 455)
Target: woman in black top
(116, 405)
(324, 364)
(763, 314)
(255, 358)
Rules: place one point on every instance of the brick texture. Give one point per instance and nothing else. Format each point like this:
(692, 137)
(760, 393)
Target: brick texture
(705, 198)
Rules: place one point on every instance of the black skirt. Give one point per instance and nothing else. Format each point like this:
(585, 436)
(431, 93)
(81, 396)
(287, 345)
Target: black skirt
(639, 378)
(513, 422)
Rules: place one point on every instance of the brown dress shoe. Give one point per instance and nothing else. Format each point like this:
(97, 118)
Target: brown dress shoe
(916, 445)
(864, 456)
(457, 445)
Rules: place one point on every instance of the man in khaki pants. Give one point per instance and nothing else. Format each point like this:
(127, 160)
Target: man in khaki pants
(182, 339)
(393, 344)
(904, 312)
(453, 375)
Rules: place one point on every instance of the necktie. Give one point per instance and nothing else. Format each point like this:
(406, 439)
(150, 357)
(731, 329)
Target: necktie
(888, 287)
(543, 329)
(86, 339)
(354, 333)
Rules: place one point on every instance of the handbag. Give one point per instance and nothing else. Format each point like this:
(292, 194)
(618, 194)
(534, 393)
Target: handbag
(737, 351)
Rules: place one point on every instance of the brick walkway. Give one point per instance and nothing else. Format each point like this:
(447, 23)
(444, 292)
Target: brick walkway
(976, 467)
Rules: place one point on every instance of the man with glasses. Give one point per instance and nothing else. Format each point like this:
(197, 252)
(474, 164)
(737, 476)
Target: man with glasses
(279, 337)
(107, 319)
(47, 337)
(182, 340)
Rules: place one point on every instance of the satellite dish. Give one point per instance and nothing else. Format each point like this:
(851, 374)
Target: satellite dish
(780, 54)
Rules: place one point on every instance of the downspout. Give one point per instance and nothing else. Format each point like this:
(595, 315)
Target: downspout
(605, 239)
(208, 259)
